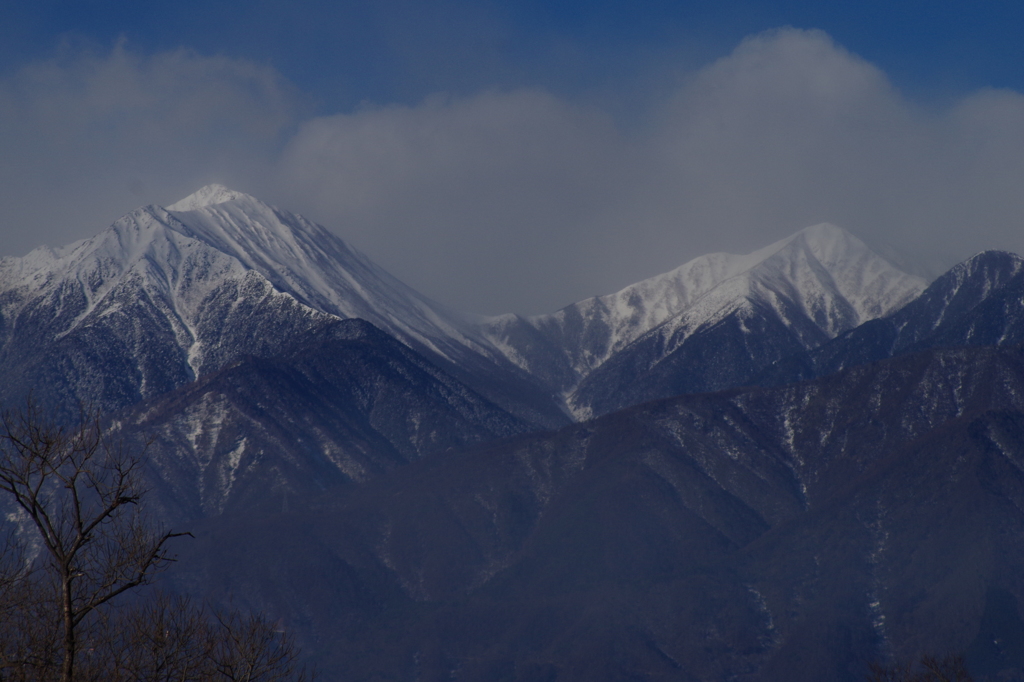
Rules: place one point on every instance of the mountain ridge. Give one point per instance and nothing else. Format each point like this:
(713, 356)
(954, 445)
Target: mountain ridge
(161, 297)
(699, 526)
(399, 485)
(977, 302)
(851, 283)
(170, 265)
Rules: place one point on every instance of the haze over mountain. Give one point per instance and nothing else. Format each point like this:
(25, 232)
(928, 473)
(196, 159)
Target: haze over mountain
(166, 295)
(460, 189)
(746, 311)
(976, 303)
(795, 533)
(403, 487)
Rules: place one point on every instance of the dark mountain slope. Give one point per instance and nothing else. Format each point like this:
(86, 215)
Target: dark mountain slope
(979, 302)
(904, 559)
(724, 354)
(127, 350)
(165, 296)
(819, 283)
(792, 533)
(708, 324)
(345, 402)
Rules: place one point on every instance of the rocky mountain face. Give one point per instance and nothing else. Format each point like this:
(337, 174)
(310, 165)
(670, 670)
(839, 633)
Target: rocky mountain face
(165, 296)
(976, 303)
(791, 533)
(712, 323)
(371, 468)
(338, 406)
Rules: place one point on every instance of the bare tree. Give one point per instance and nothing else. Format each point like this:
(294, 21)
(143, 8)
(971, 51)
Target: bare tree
(81, 493)
(164, 639)
(951, 668)
(77, 494)
(250, 649)
(29, 636)
(170, 639)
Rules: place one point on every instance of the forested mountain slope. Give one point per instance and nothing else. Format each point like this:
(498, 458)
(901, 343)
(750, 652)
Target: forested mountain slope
(789, 533)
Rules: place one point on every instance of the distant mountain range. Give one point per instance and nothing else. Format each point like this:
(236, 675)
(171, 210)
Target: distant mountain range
(710, 324)
(166, 295)
(791, 533)
(979, 302)
(781, 465)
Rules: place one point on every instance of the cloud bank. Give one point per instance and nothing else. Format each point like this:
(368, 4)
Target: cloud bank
(89, 136)
(526, 200)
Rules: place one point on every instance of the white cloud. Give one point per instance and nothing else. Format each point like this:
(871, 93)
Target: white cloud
(501, 188)
(535, 201)
(89, 135)
(526, 200)
(791, 129)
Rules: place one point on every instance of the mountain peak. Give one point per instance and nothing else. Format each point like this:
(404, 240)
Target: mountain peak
(206, 196)
(824, 231)
(993, 258)
(830, 241)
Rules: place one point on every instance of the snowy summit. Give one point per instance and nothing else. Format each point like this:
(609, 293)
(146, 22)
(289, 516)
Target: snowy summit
(207, 196)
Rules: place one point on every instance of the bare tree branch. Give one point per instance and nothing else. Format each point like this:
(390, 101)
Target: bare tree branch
(62, 619)
(81, 493)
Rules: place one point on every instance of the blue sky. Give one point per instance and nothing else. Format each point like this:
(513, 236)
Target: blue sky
(583, 144)
(342, 53)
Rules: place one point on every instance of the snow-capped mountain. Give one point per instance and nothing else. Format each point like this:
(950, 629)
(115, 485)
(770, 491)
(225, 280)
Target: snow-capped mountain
(341, 405)
(165, 295)
(383, 485)
(790, 533)
(792, 295)
(977, 303)
(132, 313)
(316, 267)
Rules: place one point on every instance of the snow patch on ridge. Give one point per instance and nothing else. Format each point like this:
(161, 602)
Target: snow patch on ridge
(822, 272)
(174, 262)
(319, 269)
(207, 196)
(185, 260)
